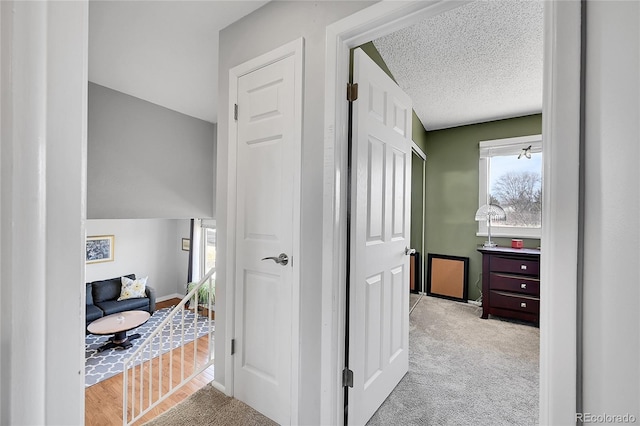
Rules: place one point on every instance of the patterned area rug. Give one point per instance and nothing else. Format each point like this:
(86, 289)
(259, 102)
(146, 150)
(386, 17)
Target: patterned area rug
(102, 365)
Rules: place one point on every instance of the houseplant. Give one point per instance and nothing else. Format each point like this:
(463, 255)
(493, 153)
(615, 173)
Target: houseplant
(205, 292)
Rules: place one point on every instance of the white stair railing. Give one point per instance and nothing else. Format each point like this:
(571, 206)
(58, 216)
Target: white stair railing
(151, 376)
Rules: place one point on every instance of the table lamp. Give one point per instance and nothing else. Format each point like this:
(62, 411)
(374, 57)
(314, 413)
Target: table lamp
(490, 212)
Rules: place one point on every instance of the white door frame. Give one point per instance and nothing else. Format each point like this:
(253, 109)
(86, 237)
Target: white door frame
(561, 122)
(295, 49)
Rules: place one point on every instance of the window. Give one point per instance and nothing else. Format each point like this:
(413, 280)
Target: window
(208, 245)
(511, 176)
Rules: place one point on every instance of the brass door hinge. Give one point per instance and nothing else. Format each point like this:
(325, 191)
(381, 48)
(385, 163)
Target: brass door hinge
(352, 92)
(347, 378)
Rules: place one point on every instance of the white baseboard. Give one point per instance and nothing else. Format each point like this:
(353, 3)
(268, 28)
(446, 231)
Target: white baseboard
(171, 296)
(219, 386)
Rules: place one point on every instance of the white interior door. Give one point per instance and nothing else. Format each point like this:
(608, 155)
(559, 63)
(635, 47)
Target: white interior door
(268, 164)
(379, 283)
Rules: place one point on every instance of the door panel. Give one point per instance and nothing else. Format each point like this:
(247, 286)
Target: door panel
(379, 284)
(375, 212)
(398, 198)
(264, 218)
(260, 327)
(373, 325)
(398, 277)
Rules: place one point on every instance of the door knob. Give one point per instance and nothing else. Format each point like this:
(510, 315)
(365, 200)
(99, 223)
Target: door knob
(409, 251)
(282, 259)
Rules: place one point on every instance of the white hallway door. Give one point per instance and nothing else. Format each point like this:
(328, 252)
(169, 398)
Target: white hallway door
(379, 284)
(268, 163)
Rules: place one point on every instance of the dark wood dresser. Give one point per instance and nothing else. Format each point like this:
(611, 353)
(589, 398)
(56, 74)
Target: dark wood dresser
(511, 283)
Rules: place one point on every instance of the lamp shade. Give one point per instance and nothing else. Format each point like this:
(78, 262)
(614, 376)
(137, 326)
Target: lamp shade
(490, 212)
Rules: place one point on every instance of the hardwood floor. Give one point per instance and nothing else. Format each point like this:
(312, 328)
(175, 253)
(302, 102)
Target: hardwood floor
(103, 401)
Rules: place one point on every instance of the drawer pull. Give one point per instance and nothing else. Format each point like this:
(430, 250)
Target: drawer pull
(523, 285)
(523, 305)
(523, 267)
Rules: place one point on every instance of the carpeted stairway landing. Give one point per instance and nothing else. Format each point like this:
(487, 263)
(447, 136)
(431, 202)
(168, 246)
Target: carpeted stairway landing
(210, 407)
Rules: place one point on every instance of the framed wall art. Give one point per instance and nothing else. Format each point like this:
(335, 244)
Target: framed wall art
(100, 248)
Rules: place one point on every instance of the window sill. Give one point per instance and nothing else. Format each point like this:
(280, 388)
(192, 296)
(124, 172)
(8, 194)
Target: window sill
(527, 235)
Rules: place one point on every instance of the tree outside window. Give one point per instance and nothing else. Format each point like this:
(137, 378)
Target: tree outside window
(518, 190)
(514, 182)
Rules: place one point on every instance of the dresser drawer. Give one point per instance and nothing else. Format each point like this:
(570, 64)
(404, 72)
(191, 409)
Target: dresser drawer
(515, 266)
(514, 283)
(515, 302)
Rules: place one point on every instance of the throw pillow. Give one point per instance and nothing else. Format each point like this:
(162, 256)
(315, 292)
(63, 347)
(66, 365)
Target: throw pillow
(132, 289)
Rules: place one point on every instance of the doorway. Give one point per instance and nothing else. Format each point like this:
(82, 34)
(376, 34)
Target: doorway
(561, 111)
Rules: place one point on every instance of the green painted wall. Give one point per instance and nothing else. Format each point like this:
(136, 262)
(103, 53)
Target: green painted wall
(452, 189)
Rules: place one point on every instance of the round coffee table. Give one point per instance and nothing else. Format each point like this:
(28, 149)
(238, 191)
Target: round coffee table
(118, 324)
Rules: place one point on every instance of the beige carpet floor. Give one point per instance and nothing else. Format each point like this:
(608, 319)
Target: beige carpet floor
(210, 407)
(464, 370)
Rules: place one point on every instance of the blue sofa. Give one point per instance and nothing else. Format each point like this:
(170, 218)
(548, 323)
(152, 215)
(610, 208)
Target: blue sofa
(102, 299)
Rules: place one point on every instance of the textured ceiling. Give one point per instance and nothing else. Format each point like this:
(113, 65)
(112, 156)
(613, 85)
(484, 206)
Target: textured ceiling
(479, 62)
(165, 52)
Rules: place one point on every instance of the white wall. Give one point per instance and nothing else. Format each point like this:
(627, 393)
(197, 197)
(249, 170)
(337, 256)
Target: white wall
(146, 161)
(272, 26)
(145, 247)
(612, 211)
(42, 209)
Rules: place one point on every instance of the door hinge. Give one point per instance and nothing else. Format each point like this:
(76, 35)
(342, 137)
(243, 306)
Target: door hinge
(235, 112)
(347, 378)
(352, 92)
(233, 346)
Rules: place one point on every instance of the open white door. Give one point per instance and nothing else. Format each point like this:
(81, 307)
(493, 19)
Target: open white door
(267, 228)
(380, 221)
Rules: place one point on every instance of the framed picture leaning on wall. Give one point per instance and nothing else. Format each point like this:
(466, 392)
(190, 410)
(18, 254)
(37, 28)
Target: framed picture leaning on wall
(448, 277)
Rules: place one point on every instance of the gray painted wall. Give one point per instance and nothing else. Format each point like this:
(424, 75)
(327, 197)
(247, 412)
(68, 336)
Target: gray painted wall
(146, 161)
(267, 28)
